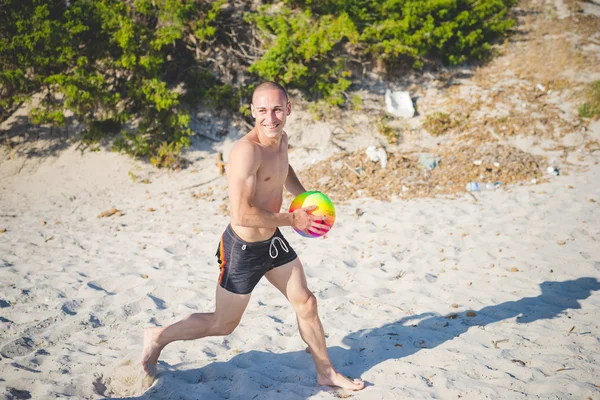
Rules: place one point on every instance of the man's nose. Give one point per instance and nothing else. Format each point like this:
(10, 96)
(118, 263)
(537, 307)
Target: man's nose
(271, 116)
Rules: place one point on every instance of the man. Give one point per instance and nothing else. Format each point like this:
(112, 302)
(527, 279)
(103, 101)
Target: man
(252, 246)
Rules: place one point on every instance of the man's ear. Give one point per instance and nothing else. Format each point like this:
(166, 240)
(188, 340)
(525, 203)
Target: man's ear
(289, 107)
(252, 109)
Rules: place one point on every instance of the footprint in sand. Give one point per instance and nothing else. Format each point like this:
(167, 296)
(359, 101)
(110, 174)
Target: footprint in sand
(95, 322)
(71, 307)
(18, 394)
(178, 248)
(131, 308)
(18, 348)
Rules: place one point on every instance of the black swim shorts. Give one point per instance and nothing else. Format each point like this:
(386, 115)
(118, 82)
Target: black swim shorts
(243, 263)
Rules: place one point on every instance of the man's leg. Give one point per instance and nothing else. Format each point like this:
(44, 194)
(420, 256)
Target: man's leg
(228, 313)
(291, 281)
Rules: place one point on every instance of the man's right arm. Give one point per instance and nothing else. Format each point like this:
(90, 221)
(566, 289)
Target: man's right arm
(244, 162)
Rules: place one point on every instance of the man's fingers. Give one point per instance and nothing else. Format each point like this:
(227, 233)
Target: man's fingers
(321, 219)
(322, 227)
(319, 229)
(316, 232)
(310, 208)
(326, 218)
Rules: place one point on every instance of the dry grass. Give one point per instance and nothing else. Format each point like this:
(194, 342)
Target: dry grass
(440, 123)
(390, 129)
(347, 176)
(591, 107)
(544, 47)
(544, 52)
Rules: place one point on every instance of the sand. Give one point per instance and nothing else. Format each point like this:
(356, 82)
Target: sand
(423, 298)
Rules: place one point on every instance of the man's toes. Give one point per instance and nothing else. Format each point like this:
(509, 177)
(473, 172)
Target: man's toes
(359, 384)
(150, 369)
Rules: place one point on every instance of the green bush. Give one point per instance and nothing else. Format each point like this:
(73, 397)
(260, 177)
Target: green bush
(110, 63)
(309, 44)
(452, 30)
(302, 50)
(131, 70)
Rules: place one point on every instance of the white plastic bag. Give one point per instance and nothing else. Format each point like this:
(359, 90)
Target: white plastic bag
(399, 104)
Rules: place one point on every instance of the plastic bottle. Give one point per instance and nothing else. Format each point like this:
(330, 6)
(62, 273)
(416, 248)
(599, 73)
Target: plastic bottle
(480, 186)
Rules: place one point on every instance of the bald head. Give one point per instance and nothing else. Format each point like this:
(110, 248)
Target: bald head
(267, 86)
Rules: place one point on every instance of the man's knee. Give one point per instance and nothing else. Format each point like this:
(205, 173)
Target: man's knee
(306, 307)
(224, 328)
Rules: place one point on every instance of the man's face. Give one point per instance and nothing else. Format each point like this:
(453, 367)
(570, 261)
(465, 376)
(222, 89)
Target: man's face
(270, 110)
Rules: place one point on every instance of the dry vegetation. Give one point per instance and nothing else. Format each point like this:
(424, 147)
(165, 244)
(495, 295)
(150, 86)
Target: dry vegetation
(532, 88)
(529, 89)
(347, 176)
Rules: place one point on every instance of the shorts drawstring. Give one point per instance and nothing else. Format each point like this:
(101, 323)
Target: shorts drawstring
(273, 247)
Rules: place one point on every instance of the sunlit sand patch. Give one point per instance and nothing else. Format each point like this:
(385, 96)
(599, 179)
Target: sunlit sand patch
(128, 378)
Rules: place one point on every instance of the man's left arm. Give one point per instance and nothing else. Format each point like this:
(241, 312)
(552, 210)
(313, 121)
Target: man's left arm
(292, 183)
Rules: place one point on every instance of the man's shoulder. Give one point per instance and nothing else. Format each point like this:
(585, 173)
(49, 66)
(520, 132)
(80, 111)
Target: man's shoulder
(246, 147)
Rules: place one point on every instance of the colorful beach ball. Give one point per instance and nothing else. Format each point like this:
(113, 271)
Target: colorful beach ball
(324, 208)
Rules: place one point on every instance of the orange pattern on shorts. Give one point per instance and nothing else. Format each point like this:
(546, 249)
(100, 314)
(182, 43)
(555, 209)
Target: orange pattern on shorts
(222, 259)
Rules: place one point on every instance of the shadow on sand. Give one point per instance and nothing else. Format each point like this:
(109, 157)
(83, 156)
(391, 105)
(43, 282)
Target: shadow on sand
(43, 141)
(251, 375)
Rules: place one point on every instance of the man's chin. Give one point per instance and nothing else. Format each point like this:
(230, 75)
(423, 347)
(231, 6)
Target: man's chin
(272, 134)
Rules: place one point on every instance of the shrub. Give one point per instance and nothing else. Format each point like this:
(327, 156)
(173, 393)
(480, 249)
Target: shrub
(388, 127)
(591, 107)
(109, 62)
(131, 70)
(309, 44)
(302, 50)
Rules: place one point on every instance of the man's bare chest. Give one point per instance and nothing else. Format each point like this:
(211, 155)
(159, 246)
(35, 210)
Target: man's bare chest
(273, 171)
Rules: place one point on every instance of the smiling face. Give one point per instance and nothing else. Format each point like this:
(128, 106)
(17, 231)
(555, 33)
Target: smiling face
(270, 109)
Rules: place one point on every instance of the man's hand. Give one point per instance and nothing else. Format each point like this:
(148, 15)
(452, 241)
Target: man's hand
(304, 221)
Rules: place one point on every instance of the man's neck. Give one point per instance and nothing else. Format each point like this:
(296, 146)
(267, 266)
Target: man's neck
(273, 143)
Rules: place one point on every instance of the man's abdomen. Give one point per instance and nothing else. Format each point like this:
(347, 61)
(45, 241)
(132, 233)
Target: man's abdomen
(253, 234)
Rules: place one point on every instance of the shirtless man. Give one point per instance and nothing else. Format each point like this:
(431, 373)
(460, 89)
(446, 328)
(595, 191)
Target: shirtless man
(253, 246)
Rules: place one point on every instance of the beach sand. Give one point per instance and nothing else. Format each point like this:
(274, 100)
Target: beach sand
(425, 298)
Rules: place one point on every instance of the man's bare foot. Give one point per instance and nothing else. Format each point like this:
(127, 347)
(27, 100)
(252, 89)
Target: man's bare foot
(150, 351)
(339, 380)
